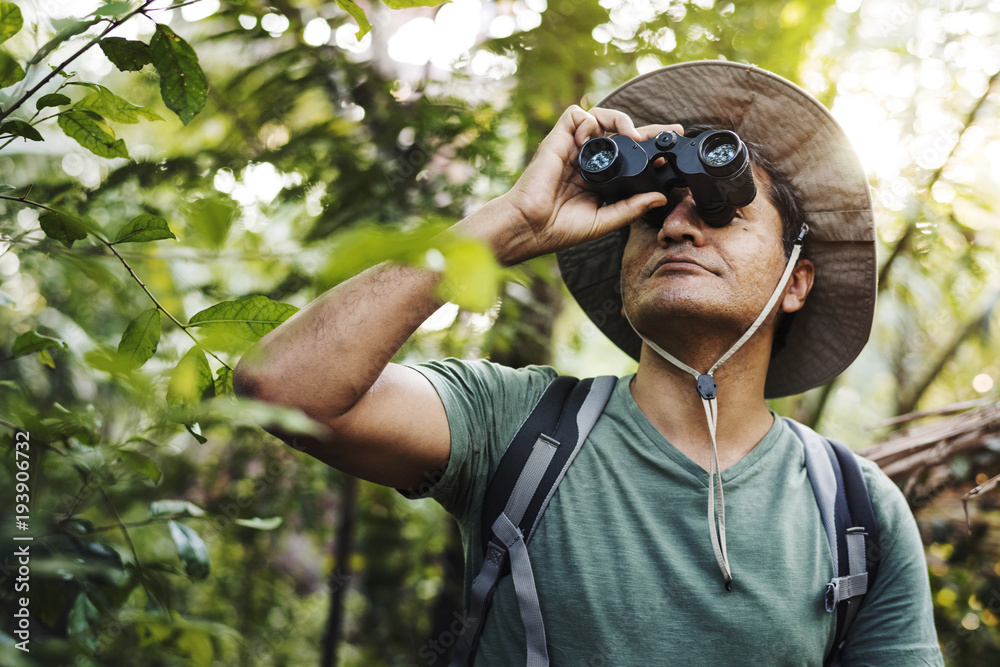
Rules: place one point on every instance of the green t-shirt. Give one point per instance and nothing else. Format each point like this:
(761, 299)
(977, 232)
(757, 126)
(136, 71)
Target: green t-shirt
(623, 561)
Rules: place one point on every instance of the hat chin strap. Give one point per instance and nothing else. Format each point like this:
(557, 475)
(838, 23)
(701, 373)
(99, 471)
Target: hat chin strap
(706, 387)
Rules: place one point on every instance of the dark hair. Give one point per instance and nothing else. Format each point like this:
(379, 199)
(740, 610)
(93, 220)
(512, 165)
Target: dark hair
(778, 188)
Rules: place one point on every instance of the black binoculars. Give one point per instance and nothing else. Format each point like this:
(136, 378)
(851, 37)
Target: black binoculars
(714, 165)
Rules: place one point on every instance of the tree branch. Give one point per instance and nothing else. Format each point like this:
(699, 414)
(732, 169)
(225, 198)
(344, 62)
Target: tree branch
(904, 241)
(907, 404)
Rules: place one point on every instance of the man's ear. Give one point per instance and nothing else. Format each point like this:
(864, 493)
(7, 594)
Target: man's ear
(799, 285)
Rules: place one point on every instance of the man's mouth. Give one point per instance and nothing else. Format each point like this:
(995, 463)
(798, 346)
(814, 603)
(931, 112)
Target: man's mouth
(679, 263)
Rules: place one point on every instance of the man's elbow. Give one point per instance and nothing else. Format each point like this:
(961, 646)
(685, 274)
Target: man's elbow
(248, 379)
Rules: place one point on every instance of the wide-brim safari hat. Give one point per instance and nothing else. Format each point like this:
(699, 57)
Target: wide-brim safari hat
(804, 142)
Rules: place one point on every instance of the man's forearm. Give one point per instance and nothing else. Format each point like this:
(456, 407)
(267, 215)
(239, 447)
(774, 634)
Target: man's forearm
(328, 355)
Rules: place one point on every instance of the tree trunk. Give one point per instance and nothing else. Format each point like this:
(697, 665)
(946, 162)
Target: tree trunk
(340, 576)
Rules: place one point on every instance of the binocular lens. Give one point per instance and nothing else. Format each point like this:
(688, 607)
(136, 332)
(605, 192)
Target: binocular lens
(600, 160)
(720, 155)
(597, 159)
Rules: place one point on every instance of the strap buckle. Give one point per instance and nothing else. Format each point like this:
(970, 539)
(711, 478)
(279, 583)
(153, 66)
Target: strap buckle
(830, 596)
(802, 234)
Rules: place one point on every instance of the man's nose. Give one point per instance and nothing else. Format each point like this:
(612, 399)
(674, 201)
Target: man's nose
(683, 222)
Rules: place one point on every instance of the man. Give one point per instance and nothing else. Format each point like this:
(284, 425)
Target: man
(626, 568)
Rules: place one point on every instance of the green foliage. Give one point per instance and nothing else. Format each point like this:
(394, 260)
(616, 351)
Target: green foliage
(91, 131)
(113, 9)
(127, 55)
(108, 105)
(352, 8)
(10, 70)
(63, 228)
(235, 324)
(304, 166)
(32, 341)
(50, 100)
(175, 508)
(182, 82)
(191, 549)
(143, 228)
(138, 344)
(11, 20)
(19, 128)
(190, 383)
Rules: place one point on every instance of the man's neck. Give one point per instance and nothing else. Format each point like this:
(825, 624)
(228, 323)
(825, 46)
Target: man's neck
(668, 397)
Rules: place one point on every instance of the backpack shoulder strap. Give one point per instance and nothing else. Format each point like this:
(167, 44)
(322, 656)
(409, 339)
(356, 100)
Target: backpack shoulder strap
(850, 525)
(519, 493)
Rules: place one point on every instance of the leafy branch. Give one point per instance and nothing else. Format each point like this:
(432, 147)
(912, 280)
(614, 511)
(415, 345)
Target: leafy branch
(112, 24)
(72, 226)
(131, 546)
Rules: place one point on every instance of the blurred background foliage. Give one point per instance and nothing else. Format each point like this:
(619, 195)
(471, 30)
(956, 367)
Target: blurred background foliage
(169, 529)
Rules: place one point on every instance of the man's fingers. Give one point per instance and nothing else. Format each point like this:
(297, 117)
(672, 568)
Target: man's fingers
(650, 131)
(626, 211)
(597, 122)
(615, 121)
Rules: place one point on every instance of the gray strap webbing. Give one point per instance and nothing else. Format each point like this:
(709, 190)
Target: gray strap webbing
(505, 529)
(824, 483)
(855, 583)
(530, 477)
(590, 412)
(486, 581)
(524, 587)
(482, 592)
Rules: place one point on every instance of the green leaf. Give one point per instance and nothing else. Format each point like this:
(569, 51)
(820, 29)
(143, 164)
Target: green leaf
(211, 217)
(51, 100)
(82, 618)
(144, 227)
(10, 70)
(11, 20)
(182, 82)
(162, 508)
(63, 228)
(90, 131)
(195, 431)
(229, 323)
(138, 344)
(45, 359)
(258, 523)
(140, 463)
(190, 383)
(113, 108)
(71, 29)
(191, 549)
(19, 128)
(125, 54)
(471, 275)
(196, 647)
(403, 4)
(224, 382)
(352, 8)
(32, 341)
(113, 9)
(105, 358)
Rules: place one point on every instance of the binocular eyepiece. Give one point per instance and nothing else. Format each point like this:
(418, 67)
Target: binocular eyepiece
(714, 165)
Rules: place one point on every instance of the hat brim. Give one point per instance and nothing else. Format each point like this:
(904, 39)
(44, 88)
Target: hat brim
(809, 147)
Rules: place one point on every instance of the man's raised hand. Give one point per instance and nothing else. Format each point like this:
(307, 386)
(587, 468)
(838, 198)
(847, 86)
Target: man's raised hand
(555, 207)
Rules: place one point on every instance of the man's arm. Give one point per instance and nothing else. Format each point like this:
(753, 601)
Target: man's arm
(332, 359)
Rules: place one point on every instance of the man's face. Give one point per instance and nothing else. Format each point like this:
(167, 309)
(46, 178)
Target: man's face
(687, 274)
